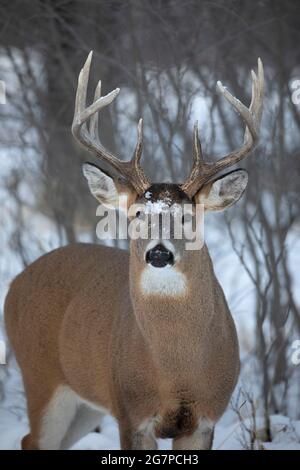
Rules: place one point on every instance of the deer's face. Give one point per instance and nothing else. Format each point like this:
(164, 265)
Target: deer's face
(163, 211)
(164, 223)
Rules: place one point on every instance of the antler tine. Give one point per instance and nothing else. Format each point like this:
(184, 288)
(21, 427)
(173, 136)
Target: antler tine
(135, 162)
(81, 91)
(252, 118)
(89, 136)
(139, 145)
(198, 156)
(94, 121)
(257, 97)
(198, 161)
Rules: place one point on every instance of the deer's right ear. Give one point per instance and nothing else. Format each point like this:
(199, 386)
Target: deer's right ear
(109, 191)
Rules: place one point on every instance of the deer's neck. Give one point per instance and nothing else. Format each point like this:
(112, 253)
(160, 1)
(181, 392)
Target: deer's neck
(174, 308)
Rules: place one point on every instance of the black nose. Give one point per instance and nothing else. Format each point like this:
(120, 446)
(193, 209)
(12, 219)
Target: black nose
(159, 256)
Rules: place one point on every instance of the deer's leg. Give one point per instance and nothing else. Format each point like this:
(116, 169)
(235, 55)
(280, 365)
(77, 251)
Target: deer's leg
(126, 435)
(144, 439)
(85, 421)
(137, 439)
(50, 419)
(200, 439)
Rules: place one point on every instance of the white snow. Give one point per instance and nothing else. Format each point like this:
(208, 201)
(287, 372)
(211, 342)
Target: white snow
(156, 207)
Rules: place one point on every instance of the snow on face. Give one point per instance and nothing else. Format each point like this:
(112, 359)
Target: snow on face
(162, 206)
(148, 195)
(163, 198)
(156, 207)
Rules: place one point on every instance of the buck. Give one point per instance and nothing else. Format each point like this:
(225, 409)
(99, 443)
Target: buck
(146, 336)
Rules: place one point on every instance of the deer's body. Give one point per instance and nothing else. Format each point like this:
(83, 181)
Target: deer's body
(146, 336)
(72, 323)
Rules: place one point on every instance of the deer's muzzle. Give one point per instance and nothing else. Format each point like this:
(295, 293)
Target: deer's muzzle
(159, 256)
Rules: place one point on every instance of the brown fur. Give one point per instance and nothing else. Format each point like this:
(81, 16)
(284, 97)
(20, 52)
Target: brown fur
(71, 321)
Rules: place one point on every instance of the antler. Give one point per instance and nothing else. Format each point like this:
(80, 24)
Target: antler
(203, 171)
(88, 135)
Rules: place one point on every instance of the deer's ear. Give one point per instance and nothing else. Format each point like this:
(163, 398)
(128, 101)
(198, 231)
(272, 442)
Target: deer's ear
(224, 191)
(108, 190)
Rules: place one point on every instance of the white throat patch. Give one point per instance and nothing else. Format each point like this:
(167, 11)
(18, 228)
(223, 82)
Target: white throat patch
(163, 281)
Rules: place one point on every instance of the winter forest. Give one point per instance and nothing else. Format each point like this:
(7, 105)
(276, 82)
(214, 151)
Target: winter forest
(166, 57)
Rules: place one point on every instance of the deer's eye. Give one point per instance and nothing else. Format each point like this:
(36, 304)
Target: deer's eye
(138, 214)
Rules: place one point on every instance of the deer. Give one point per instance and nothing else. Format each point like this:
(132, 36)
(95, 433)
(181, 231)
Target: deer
(144, 335)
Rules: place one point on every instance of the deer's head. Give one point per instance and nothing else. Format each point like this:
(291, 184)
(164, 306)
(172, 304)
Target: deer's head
(127, 186)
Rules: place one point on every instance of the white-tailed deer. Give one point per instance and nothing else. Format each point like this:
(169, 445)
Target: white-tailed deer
(146, 336)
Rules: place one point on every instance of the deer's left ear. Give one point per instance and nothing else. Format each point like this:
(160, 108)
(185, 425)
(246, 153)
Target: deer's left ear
(224, 191)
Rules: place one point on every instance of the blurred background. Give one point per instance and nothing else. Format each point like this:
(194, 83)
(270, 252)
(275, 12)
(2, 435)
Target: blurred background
(166, 56)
